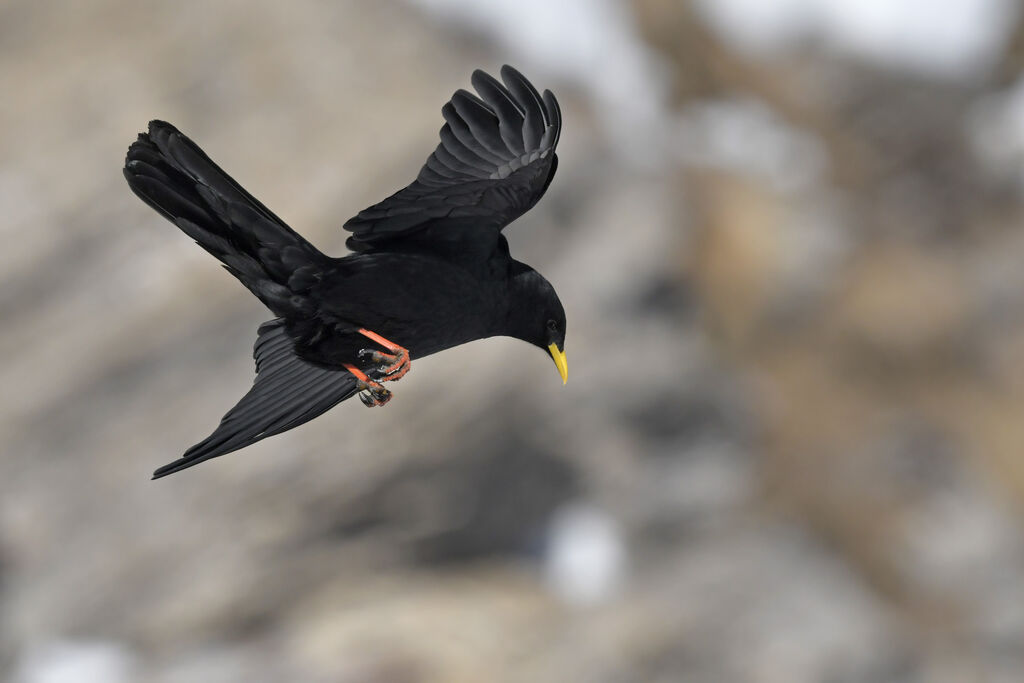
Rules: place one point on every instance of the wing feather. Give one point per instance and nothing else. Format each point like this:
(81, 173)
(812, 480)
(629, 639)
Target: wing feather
(482, 124)
(453, 113)
(451, 144)
(495, 160)
(287, 392)
(534, 121)
(510, 117)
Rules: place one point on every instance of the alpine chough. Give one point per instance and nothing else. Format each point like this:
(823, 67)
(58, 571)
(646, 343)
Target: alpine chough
(430, 268)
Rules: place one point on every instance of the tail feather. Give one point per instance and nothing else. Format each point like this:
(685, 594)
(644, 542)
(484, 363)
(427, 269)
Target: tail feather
(175, 177)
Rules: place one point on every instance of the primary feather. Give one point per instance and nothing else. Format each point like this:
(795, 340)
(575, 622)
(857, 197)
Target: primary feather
(495, 161)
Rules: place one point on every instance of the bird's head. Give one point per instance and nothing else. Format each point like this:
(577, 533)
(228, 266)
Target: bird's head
(536, 316)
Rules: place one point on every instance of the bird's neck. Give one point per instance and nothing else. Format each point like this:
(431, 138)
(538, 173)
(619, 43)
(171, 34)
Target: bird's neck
(522, 299)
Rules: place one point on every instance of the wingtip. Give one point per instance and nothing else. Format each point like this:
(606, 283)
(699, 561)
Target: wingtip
(178, 465)
(158, 474)
(554, 111)
(464, 96)
(481, 75)
(169, 468)
(509, 74)
(479, 79)
(508, 71)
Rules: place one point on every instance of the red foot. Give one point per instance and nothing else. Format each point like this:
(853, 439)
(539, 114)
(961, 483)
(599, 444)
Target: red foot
(391, 367)
(371, 393)
(394, 365)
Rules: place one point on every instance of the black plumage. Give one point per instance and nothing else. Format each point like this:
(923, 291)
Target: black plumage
(430, 268)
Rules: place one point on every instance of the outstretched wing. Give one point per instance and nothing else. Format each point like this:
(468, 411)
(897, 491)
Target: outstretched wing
(495, 160)
(286, 393)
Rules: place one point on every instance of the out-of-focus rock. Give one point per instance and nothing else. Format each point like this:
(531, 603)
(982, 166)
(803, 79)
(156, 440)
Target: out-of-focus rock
(790, 449)
(905, 307)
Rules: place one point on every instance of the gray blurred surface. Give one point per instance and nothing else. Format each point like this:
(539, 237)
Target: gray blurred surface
(791, 444)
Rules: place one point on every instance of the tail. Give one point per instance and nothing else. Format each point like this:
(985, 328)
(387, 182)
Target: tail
(171, 174)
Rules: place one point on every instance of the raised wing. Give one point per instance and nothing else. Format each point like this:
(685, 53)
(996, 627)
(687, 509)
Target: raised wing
(495, 160)
(286, 393)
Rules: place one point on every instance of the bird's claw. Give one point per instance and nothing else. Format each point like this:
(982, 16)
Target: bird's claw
(391, 366)
(372, 394)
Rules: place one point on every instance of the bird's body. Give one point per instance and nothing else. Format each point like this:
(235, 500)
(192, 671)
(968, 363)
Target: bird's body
(422, 302)
(431, 269)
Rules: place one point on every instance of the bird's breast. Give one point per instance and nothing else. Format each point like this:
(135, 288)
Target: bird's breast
(423, 304)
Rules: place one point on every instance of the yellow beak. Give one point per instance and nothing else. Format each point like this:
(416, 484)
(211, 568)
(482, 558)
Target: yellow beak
(559, 357)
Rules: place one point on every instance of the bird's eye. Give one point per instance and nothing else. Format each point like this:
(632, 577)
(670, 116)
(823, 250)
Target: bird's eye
(552, 326)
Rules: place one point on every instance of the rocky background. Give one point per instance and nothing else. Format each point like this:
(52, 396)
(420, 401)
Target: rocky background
(792, 446)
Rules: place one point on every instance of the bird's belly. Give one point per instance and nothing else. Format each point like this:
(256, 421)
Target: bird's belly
(430, 324)
(423, 307)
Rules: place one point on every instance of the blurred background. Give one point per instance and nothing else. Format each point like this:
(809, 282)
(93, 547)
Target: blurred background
(788, 239)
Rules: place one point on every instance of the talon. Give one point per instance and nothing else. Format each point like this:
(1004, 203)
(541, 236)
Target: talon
(371, 393)
(390, 367)
(373, 397)
(394, 365)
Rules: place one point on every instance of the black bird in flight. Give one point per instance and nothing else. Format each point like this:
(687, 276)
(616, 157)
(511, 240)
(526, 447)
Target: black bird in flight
(430, 268)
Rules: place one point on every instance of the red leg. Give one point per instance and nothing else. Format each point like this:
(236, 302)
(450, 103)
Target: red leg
(394, 365)
(391, 366)
(371, 393)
